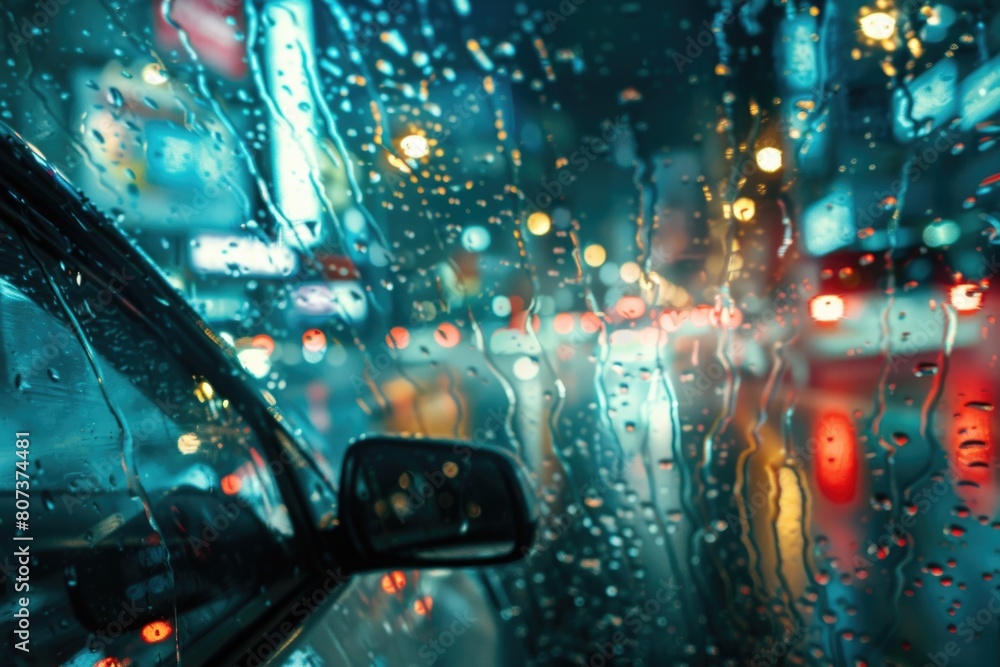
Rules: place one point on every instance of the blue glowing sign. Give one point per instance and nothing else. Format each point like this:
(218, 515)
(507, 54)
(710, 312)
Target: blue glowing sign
(980, 94)
(926, 102)
(800, 57)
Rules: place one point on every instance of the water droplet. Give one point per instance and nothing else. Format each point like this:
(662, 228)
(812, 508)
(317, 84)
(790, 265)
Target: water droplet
(115, 98)
(955, 531)
(882, 502)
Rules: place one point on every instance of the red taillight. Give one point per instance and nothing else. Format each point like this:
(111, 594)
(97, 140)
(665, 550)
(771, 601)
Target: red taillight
(966, 298)
(398, 338)
(836, 458)
(826, 308)
(423, 605)
(563, 323)
(972, 444)
(263, 342)
(447, 335)
(631, 307)
(155, 632)
(314, 340)
(590, 323)
(231, 484)
(393, 582)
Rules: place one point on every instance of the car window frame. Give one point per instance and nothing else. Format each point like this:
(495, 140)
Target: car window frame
(32, 195)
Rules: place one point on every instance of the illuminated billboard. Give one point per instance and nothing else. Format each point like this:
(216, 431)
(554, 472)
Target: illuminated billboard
(151, 154)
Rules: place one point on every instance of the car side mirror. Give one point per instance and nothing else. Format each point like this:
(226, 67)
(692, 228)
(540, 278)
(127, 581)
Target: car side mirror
(429, 503)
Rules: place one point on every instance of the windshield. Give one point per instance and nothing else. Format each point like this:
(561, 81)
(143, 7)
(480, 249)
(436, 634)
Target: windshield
(718, 273)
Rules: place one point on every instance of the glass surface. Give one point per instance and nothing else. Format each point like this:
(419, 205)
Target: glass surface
(153, 515)
(720, 273)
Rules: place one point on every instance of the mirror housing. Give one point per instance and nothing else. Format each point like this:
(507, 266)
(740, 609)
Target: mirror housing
(410, 502)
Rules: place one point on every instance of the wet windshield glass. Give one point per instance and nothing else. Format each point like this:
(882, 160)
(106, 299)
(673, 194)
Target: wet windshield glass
(718, 273)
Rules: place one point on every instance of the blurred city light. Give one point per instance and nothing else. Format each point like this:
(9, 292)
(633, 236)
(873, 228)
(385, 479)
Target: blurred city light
(590, 323)
(631, 307)
(154, 75)
(744, 209)
(525, 368)
(826, 308)
(255, 361)
(608, 273)
(415, 146)
(594, 255)
(206, 390)
(156, 631)
(563, 323)
(539, 223)
(828, 223)
(263, 342)
(941, 233)
(730, 317)
(314, 340)
(501, 306)
(393, 582)
(966, 298)
(231, 484)
(245, 255)
(629, 272)
(423, 605)
(769, 159)
(878, 25)
(447, 335)
(398, 338)
(836, 462)
(188, 443)
(476, 238)
(289, 45)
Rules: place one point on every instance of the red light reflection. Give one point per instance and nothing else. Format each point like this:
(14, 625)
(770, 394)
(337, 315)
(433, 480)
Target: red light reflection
(836, 457)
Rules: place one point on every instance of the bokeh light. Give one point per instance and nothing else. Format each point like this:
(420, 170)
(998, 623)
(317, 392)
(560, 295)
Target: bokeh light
(878, 25)
(826, 308)
(744, 209)
(769, 159)
(966, 298)
(539, 223)
(447, 335)
(594, 255)
(415, 146)
(629, 272)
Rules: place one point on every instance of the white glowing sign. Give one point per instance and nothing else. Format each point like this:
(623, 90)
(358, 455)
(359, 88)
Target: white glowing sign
(289, 47)
(344, 298)
(242, 255)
